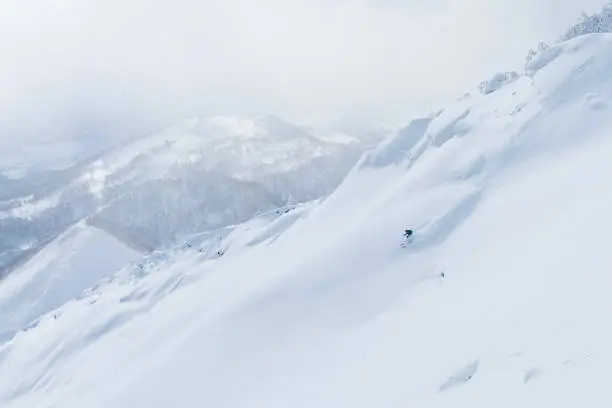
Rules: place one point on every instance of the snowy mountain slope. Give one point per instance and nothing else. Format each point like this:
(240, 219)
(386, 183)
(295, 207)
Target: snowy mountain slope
(25, 158)
(509, 197)
(86, 261)
(199, 175)
(73, 262)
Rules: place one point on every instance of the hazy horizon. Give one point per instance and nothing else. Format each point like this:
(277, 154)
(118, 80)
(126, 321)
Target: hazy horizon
(86, 68)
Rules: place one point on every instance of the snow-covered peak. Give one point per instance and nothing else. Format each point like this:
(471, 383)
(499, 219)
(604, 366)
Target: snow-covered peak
(500, 299)
(199, 174)
(243, 147)
(247, 127)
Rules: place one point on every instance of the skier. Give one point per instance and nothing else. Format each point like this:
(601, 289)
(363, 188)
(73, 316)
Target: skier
(407, 237)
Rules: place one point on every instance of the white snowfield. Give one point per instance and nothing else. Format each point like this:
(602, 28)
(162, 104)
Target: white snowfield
(75, 261)
(509, 195)
(199, 175)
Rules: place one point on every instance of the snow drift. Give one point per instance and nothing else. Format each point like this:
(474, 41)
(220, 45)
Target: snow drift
(509, 198)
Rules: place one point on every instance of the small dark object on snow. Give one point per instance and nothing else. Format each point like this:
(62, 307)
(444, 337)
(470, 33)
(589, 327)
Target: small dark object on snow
(407, 237)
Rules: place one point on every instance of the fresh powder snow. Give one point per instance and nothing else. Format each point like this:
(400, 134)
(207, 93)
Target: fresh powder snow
(500, 300)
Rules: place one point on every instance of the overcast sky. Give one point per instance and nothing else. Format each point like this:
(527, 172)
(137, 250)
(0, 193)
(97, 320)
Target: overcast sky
(117, 67)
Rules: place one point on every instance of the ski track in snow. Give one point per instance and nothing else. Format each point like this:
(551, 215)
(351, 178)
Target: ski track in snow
(319, 305)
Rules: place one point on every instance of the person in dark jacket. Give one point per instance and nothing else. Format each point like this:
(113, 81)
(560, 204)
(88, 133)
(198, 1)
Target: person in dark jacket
(407, 237)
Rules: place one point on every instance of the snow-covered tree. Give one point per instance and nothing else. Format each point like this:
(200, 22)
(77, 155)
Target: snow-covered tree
(497, 81)
(539, 58)
(596, 23)
(533, 55)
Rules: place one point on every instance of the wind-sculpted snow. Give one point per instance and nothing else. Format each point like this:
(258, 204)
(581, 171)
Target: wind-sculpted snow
(73, 262)
(114, 300)
(84, 263)
(395, 150)
(500, 300)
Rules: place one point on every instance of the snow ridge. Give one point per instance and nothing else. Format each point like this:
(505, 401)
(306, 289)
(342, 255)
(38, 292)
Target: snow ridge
(198, 175)
(493, 304)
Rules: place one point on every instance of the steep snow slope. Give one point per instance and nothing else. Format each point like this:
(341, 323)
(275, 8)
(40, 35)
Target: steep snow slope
(199, 175)
(508, 193)
(85, 259)
(75, 261)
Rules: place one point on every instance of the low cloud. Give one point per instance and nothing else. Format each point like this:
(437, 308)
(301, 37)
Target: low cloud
(114, 68)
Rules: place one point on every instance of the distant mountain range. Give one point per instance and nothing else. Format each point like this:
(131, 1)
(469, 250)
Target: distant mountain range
(198, 175)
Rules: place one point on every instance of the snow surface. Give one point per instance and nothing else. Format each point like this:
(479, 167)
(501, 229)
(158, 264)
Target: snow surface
(199, 175)
(75, 261)
(509, 196)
